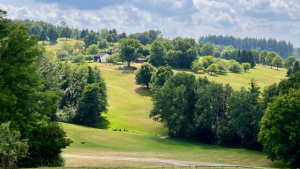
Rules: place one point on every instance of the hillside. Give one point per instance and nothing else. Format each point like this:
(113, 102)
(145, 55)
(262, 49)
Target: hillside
(129, 109)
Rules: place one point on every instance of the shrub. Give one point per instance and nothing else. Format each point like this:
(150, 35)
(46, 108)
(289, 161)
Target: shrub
(235, 66)
(78, 58)
(62, 54)
(196, 66)
(111, 59)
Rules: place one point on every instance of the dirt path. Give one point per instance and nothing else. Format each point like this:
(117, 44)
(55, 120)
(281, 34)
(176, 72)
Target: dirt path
(148, 160)
(60, 41)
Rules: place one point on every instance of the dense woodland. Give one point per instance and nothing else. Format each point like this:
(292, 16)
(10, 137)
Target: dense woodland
(283, 48)
(38, 90)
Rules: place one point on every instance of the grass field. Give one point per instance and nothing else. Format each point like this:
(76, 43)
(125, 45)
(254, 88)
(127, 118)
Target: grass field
(121, 144)
(129, 109)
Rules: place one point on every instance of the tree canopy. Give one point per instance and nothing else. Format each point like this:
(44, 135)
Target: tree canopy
(128, 48)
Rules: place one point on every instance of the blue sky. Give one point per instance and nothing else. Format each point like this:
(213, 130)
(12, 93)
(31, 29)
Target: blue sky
(187, 18)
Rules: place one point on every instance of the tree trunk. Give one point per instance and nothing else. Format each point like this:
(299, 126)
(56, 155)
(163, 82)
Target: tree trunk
(43, 42)
(66, 39)
(277, 68)
(147, 86)
(128, 64)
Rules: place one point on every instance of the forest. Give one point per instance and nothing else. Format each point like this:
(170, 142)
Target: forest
(40, 89)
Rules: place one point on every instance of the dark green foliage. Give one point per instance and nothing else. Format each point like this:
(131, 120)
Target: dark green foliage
(161, 76)
(103, 44)
(144, 73)
(157, 54)
(269, 58)
(251, 59)
(90, 105)
(226, 55)
(282, 142)
(277, 61)
(84, 33)
(89, 58)
(174, 103)
(245, 114)
(289, 62)
(66, 32)
(45, 143)
(296, 66)
(281, 47)
(90, 39)
(239, 57)
(244, 56)
(128, 49)
(23, 99)
(43, 36)
(217, 54)
(52, 35)
(289, 72)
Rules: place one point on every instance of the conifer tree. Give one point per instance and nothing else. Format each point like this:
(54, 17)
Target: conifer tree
(43, 36)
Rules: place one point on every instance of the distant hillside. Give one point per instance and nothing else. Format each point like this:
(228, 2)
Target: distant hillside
(283, 48)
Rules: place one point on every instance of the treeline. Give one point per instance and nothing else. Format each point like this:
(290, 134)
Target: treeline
(36, 91)
(212, 113)
(283, 48)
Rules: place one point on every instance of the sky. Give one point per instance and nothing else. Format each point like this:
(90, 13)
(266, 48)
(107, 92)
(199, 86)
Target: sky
(278, 19)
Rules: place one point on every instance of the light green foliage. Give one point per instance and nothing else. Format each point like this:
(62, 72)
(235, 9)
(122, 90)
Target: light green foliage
(93, 49)
(246, 66)
(234, 66)
(103, 44)
(255, 54)
(103, 33)
(62, 54)
(279, 129)
(277, 61)
(66, 32)
(207, 49)
(12, 147)
(77, 58)
(161, 76)
(144, 73)
(262, 57)
(127, 48)
(67, 47)
(157, 54)
(207, 61)
(197, 66)
(213, 68)
(269, 58)
(222, 65)
(226, 55)
(78, 45)
(90, 39)
(111, 59)
(167, 45)
(89, 58)
(289, 61)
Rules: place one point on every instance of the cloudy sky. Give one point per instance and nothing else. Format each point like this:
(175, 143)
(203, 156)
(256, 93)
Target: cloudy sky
(187, 18)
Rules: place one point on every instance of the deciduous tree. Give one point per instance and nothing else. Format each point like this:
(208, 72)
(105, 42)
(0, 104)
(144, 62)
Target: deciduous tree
(144, 73)
(128, 48)
(66, 32)
(277, 61)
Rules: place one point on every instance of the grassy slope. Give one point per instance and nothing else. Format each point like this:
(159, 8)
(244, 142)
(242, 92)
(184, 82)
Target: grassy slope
(129, 109)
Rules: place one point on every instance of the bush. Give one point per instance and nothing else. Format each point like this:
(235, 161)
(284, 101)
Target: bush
(196, 66)
(89, 58)
(207, 61)
(77, 58)
(235, 67)
(111, 59)
(62, 54)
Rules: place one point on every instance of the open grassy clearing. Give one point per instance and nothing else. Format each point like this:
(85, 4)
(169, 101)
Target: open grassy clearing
(264, 76)
(121, 144)
(129, 109)
(55, 46)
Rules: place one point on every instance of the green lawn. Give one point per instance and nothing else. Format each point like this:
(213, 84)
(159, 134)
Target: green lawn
(122, 144)
(264, 76)
(129, 109)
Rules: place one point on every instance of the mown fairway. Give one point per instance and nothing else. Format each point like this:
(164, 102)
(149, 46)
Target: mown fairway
(129, 109)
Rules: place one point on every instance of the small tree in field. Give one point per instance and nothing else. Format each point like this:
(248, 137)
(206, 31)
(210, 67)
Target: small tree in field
(12, 147)
(277, 61)
(196, 66)
(144, 73)
(66, 32)
(43, 36)
(89, 58)
(213, 68)
(246, 66)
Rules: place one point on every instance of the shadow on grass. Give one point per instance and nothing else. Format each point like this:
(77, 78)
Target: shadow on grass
(143, 91)
(126, 69)
(103, 123)
(53, 43)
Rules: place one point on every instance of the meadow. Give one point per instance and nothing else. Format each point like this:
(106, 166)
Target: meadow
(129, 107)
